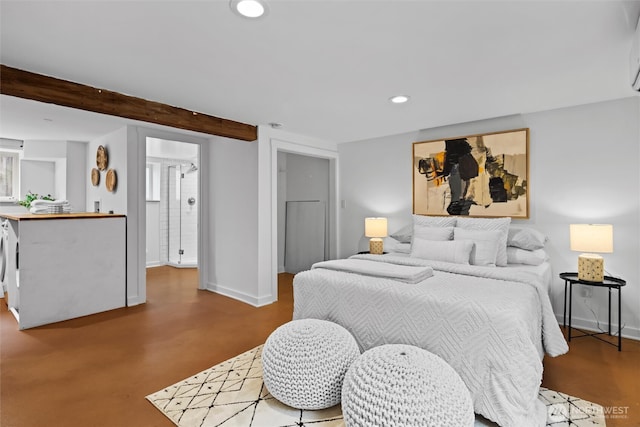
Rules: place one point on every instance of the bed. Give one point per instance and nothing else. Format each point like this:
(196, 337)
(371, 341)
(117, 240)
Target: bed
(492, 325)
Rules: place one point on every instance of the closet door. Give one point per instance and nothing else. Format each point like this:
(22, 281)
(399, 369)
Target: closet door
(304, 235)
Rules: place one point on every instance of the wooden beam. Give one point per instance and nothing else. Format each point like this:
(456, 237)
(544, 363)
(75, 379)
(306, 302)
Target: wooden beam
(24, 84)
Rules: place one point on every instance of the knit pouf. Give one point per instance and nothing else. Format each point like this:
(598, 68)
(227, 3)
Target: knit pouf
(402, 385)
(304, 363)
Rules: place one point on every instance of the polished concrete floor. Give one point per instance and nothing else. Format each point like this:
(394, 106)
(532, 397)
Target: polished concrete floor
(96, 371)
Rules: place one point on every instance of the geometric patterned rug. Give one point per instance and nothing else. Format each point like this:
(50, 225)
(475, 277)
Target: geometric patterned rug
(232, 394)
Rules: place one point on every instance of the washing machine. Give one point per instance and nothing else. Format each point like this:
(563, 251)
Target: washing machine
(4, 245)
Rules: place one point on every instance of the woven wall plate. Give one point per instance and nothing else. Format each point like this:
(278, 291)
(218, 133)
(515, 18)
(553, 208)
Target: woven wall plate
(95, 177)
(102, 159)
(111, 180)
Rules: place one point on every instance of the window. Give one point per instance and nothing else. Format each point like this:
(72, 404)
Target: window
(9, 176)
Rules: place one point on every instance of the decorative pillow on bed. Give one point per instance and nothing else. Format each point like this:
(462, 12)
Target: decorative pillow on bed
(500, 224)
(435, 221)
(433, 227)
(526, 238)
(485, 248)
(523, 256)
(404, 234)
(456, 251)
(392, 245)
(433, 233)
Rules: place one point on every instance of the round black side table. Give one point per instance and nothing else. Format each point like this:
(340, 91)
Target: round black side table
(609, 282)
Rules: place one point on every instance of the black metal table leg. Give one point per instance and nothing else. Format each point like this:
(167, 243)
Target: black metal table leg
(570, 301)
(619, 319)
(564, 314)
(609, 311)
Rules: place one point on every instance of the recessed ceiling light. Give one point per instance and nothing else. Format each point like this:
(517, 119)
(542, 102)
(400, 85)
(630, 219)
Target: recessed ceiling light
(249, 8)
(399, 99)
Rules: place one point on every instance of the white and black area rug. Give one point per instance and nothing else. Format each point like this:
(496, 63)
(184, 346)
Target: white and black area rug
(232, 394)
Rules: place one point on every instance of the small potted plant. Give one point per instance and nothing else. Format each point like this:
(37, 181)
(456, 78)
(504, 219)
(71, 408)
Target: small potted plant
(30, 197)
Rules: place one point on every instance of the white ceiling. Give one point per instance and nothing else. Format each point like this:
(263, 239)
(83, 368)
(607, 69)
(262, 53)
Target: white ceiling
(321, 68)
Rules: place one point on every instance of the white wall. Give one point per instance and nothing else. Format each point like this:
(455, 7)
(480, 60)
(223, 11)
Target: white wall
(162, 148)
(78, 174)
(38, 177)
(583, 168)
(116, 144)
(233, 213)
(153, 233)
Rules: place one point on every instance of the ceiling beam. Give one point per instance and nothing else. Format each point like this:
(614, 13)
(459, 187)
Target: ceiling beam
(27, 85)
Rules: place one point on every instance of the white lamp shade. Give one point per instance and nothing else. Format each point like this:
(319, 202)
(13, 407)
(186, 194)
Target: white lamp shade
(375, 227)
(596, 238)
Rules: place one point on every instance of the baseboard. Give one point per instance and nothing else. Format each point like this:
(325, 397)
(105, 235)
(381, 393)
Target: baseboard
(240, 296)
(592, 325)
(131, 301)
(152, 265)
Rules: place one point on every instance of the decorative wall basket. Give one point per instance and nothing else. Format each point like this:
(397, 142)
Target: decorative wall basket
(111, 180)
(102, 159)
(95, 177)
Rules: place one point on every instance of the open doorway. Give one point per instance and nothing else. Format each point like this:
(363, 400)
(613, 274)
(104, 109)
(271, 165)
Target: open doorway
(303, 211)
(306, 149)
(172, 203)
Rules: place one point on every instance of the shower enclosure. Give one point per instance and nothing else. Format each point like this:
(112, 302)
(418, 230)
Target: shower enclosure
(182, 214)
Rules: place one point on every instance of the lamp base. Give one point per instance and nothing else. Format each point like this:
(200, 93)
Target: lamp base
(591, 268)
(376, 246)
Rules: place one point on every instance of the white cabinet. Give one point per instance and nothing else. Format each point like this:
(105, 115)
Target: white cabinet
(65, 266)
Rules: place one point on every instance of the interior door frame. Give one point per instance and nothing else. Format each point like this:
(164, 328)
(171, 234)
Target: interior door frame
(279, 141)
(203, 220)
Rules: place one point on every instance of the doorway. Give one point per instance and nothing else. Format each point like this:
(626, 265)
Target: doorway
(172, 192)
(303, 211)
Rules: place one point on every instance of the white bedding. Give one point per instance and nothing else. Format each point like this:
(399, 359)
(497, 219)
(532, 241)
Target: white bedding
(490, 324)
(402, 273)
(541, 272)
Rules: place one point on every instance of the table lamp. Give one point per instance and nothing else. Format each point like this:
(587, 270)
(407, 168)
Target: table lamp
(591, 238)
(375, 228)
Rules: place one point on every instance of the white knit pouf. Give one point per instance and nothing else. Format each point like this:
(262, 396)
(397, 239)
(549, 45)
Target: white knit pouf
(304, 363)
(402, 385)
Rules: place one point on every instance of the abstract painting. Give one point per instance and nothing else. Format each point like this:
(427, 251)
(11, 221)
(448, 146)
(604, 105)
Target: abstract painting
(484, 175)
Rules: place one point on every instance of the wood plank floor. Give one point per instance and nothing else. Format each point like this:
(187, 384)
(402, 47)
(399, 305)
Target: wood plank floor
(96, 370)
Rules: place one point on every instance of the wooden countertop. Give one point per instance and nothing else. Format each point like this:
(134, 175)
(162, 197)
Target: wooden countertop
(73, 215)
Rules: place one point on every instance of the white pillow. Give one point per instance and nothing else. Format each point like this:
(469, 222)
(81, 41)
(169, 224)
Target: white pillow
(403, 248)
(391, 245)
(523, 256)
(526, 238)
(456, 251)
(433, 233)
(500, 224)
(404, 234)
(426, 227)
(485, 248)
(435, 221)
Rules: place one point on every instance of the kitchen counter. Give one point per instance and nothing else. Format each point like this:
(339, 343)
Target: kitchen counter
(63, 266)
(73, 215)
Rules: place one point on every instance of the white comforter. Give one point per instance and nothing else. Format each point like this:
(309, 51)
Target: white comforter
(491, 325)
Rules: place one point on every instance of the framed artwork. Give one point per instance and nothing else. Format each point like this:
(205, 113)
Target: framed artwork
(485, 175)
